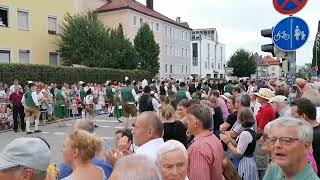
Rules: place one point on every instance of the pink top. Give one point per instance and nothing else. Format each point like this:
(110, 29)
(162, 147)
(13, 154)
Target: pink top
(223, 107)
(312, 162)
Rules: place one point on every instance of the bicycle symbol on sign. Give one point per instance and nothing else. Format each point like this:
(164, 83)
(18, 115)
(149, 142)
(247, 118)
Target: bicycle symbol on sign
(281, 35)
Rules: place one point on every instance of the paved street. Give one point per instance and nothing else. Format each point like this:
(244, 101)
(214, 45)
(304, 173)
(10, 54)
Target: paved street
(55, 135)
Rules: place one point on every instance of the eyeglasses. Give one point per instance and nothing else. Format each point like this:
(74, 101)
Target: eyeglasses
(282, 140)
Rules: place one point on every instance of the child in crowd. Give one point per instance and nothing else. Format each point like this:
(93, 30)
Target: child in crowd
(4, 120)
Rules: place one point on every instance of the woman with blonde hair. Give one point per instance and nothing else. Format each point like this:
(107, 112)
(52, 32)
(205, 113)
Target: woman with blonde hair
(78, 150)
(172, 129)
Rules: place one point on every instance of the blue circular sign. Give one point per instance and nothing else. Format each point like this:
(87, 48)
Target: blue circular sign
(290, 34)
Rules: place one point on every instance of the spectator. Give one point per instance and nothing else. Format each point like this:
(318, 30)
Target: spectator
(221, 103)
(15, 83)
(304, 109)
(244, 147)
(147, 134)
(79, 148)
(135, 167)
(182, 111)
(290, 140)
(4, 120)
(266, 113)
(206, 151)
(172, 160)
(314, 97)
(217, 116)
(172, 129)
(232, 117)
(280, 106)
(24, 158)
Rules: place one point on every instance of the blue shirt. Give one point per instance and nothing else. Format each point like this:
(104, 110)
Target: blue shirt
(276, 173)
(66, 170)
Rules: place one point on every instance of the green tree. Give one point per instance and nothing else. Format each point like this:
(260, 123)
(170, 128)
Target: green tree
(316, 49)
(243, 63)
(83, 41)
(148, 50)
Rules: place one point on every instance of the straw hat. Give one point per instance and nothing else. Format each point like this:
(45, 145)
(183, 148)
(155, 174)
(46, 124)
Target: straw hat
(264, 93)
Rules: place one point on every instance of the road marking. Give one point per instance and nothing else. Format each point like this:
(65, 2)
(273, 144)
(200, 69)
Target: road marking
(104, 126)
(45, 132)
(107, 121)
(69, 124)
(119, 127)
(59, 133)
(107, 138)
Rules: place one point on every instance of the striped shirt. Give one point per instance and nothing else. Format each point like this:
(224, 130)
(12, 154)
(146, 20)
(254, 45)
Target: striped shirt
(205, 158)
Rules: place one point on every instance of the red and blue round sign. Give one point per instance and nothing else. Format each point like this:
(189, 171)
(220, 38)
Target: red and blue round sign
(289, 7)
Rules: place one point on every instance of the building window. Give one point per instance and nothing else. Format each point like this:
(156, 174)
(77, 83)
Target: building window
(52, 25)
(186, 36)
(24, 56)
(4, 16)
(221, 53)
(186, 52)
(171, 69)
(195, 61)
(53, 58)
(273, 68)
(182, 35)
(157, 27)
(177, 51)
(212, 65)
(166, 68)
(206, 65)
(23, 20)
(208, 51)
(186, 69)
(134, 20)
(170, 33)
(166, 49)
(152, 26)
(182, 51)
(171, 50)
(141, 21)
(166, 30)
(182, 69)
(219, 66)
(4, 56)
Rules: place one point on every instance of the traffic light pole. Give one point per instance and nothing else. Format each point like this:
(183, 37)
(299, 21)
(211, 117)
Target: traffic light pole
(291, 76)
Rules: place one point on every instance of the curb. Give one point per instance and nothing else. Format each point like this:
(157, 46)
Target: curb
(55, 121)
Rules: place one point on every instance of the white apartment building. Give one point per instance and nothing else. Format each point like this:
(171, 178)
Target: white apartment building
(208, 55)
(173, 36)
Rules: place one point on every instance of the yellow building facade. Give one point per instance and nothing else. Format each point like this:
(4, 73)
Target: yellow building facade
(29, 30)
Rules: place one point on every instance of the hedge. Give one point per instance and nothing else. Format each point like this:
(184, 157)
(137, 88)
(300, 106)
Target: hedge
(61, 74)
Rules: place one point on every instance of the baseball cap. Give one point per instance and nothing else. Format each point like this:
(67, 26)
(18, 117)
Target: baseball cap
(33, 153)
(279, 98)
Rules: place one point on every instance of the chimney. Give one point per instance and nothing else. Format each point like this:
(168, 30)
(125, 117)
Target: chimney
(178, 19)
(150, 4)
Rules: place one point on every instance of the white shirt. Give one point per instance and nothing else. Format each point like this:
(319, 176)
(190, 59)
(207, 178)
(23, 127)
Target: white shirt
(34, 98)
(150, 149)
(88, 99)
(188, 95)
(12, 88)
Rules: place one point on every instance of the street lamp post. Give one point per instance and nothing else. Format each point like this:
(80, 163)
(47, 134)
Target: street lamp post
(317, 46)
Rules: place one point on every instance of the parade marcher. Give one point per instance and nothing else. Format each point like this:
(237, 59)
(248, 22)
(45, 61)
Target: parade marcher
(290, 140)
(206, 88)
(171, 98)
(110, 93)
(228, 87)
(118, 112)
(163, 92)
(31, 108)
(128, 97)
(244, 147)
(191, 86)
(182, 93)
(147, 102)
(59, 111)
(89, 106)
(198, 95)
(17, 108)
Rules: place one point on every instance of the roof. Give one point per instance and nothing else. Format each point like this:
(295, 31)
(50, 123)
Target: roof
(266, 61)
(115, 5)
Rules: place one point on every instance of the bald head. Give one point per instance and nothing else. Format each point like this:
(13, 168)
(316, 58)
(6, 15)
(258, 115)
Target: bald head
(152, 120)
(126, 168)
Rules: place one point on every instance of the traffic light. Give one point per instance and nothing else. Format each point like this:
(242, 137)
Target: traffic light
(270, 48)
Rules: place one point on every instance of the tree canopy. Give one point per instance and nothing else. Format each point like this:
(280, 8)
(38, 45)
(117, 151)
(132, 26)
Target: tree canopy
(243, 63)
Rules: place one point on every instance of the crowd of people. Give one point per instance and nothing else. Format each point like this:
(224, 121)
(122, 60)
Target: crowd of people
(197, 130)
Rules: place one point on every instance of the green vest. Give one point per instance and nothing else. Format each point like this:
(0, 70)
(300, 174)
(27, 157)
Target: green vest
(180, 95)
(126, 95)
(195, 96)
(228, 88)
(82, 94)
(206, 89)
(59, 98)
(177, 87)
(28, 99)
(109, 92)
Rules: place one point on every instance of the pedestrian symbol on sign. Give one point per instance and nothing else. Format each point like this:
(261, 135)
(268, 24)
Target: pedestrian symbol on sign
(299, 34)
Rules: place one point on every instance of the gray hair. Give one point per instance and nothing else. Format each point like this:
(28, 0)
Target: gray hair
(84, 124)
(169, 146)
(313, 95)
(153, 121)
(36, 175)
(136, 167)
(306, 131)
(202, 113)
(244, 99)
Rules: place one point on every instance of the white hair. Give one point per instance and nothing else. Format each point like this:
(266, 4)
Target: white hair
(306, 131)
(169, 146)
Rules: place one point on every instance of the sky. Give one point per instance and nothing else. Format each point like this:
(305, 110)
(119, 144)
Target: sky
(239, 22)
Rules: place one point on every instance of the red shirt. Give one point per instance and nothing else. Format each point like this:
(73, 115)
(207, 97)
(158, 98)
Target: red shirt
(265, 115)
(16, 98)
(205, 158)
